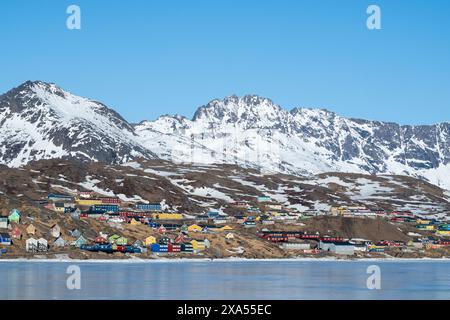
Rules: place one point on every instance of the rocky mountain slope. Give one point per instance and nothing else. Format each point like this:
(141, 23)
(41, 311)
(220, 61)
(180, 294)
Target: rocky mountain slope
(195, 189)
(42, 121)
(256, 132)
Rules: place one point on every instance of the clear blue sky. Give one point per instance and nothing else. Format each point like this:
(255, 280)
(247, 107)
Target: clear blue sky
(146, 58)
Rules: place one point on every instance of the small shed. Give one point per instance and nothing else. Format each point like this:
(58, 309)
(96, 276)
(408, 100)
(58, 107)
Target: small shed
(55, 231)
(60, 242)
(31, 245)
(31, 229)
(14, 216)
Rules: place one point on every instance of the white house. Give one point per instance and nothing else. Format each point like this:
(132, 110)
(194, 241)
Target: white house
(31, 245)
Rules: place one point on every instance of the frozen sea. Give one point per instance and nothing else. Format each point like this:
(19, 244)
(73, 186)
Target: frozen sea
(254, 280)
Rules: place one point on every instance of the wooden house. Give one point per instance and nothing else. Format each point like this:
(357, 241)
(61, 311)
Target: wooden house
(122, 241)
(134, 222)
(14, 216)
(194, 228)
(75, 233)
(42, 245)
(31, 229)
(31, 245)
(162, 229)
(113, 238)
(55, 231)
(16, 233)
(229, 236)
(150, 240)
(3, 222)
(5, 239)
(60, 242)
(80, 241)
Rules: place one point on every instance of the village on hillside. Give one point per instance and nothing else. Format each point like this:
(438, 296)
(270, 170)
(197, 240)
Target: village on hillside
(88, 225)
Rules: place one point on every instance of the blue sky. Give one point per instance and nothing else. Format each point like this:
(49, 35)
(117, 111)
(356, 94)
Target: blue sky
(147, 58)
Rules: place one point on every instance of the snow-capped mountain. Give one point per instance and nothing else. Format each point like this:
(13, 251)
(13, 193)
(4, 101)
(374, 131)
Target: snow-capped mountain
(255, 131)
(41, 121)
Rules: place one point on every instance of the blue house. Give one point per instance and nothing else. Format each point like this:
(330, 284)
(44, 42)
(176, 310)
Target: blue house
(149, 207)
(5, 239)
(103, 208)
(213, 214)
(56, 196)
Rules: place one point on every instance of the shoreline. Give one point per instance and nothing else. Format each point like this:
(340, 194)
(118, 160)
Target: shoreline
(222, 260)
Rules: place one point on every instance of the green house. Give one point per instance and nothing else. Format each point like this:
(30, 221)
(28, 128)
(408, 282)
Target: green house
(113, 238)
(80, 241)
(122, 241)
(14, 216)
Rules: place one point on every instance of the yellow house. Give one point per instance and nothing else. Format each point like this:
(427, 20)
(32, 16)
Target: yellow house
(31, 229)
(198, 245)
(443, 232)
(226, 228)
(133, 222)
(194, 228)
(167, 216)
(421, 221)
(88, 202)
(150, 240)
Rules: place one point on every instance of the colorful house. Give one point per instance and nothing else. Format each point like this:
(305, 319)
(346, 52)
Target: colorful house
(55, 231)
(31, 229)
(14, 216)
(75, 233)
(113, 238)
(229, 236)
(5, 239)
(60, 242)
(122, 241)
(226, 228)
(198, 245)
(80, 241)
(133, 222)
(150, 240)
(167, 216)
(194, 228)
(162, 229)
(4, 223)
(31, 245)
(16, 233)
(42, 244)
(88, 202)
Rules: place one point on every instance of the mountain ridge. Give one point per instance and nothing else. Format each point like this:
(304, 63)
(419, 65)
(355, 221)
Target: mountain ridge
(39, 120)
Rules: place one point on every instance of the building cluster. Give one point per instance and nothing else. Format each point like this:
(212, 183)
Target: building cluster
(174, 230)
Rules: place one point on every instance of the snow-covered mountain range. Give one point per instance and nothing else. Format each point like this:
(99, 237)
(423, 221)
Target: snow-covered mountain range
(41, 121)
